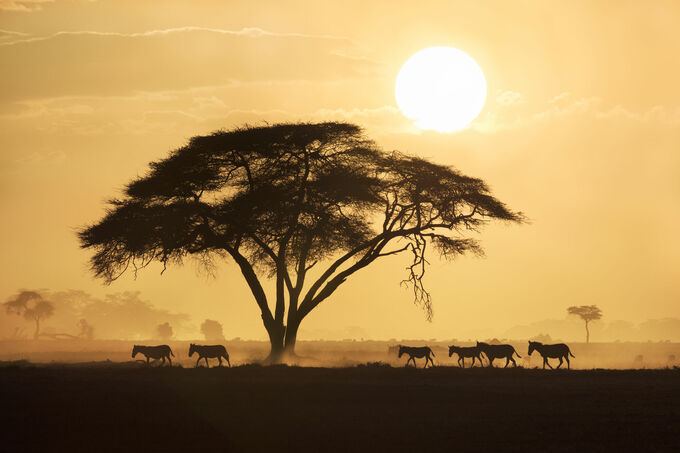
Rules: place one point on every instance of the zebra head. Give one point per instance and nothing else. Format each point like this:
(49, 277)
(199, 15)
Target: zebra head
(452, 349)
(533, 346)
(401, 350)
(135, 350)
(192, 349)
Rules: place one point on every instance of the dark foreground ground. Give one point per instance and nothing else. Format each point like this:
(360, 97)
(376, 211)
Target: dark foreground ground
(123, 407)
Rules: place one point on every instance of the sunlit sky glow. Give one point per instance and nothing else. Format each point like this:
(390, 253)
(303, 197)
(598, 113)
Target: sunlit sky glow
(579, 130)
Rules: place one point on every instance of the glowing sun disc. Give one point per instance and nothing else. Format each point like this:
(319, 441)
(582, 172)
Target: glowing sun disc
(441, 88)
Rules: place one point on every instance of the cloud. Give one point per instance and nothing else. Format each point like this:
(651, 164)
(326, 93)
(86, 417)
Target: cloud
(566, 105)
(115, 64)
(23, 5)
(8, 34)
(42, 158)
(509, 98)
(250, 32)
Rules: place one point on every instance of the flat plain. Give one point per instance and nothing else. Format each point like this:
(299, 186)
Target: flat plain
(108, 406)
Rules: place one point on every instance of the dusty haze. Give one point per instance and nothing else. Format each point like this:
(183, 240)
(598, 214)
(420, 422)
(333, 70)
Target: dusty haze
(580, 131)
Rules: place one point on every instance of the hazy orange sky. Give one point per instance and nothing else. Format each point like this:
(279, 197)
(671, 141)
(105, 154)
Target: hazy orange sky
(581, 131)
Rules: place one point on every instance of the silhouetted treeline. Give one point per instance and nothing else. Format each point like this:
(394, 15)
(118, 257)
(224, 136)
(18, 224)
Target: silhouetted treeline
(79, 314)
(571, 329)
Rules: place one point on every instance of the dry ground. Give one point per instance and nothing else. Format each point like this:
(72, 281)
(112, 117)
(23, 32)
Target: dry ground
(127, 407)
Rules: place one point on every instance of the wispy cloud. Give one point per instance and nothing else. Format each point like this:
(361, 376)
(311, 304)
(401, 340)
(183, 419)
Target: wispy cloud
(249, 32)
(93, 63)
(23, 5)
(509, 98)
(8, 34)
(566, 105)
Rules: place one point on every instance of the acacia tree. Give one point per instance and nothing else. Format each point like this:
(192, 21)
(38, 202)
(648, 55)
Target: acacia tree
(32, 306)
(164, 331)
(587, 313)
(212, 330)
(281, 200)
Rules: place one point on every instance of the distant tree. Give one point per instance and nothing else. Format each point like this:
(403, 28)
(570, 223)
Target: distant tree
(542, 338)
(86, 331)
(281, 199)
(212, 330)
(587, 313)
(32, 306)
(164, 331)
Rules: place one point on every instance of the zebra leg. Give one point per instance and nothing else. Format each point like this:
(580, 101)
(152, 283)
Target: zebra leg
(514, 364)
(227, 359)
(199, 359)
(561, 362)
(169, 360)
(207, 365)
(147, 360)
(162, 361)
(219, 359)
(544, 362)
(549, 365)
(491, 359)
(507, 362)
(568, 363)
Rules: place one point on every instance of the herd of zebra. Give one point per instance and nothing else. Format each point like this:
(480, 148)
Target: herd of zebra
(491, 351)
(163, 352)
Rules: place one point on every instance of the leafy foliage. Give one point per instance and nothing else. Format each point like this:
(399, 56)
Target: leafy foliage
(32, 306)
(586, 312)
(164, 331)
(280, 199)
(212, 330)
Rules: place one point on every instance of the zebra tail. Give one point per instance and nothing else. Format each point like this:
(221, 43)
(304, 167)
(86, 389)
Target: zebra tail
(572, 354)
(171, 353)
(432, 352)
(517, 353)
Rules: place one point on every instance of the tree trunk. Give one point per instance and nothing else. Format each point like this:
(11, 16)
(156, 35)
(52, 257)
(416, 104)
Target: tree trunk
(282, 340)
(37, 329)
(277, 333)
(291, 338)
(587, 333)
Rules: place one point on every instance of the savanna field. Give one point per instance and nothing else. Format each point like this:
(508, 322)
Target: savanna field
(356, 397)
(491, 185)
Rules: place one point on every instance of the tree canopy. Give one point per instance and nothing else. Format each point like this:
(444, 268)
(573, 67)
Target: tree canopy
(164, 331)
(32, 306)
(587, 313)
(281, 199)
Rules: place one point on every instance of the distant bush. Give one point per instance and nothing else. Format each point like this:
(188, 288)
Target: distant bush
(374, 365)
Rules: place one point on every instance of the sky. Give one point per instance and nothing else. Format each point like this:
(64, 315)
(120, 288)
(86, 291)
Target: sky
(580, 131)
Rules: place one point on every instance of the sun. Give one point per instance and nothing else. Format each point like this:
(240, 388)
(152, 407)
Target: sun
(441, 89)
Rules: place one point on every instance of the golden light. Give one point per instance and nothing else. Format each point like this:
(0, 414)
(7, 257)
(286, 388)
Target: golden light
(441, 88)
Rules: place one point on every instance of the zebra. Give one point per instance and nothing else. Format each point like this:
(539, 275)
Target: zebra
(155, 352)
(463, 352)
(417, 353)
(213, 351)
(553, 351)
(497, 351)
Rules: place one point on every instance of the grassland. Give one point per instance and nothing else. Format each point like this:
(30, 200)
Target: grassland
(128, 407)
